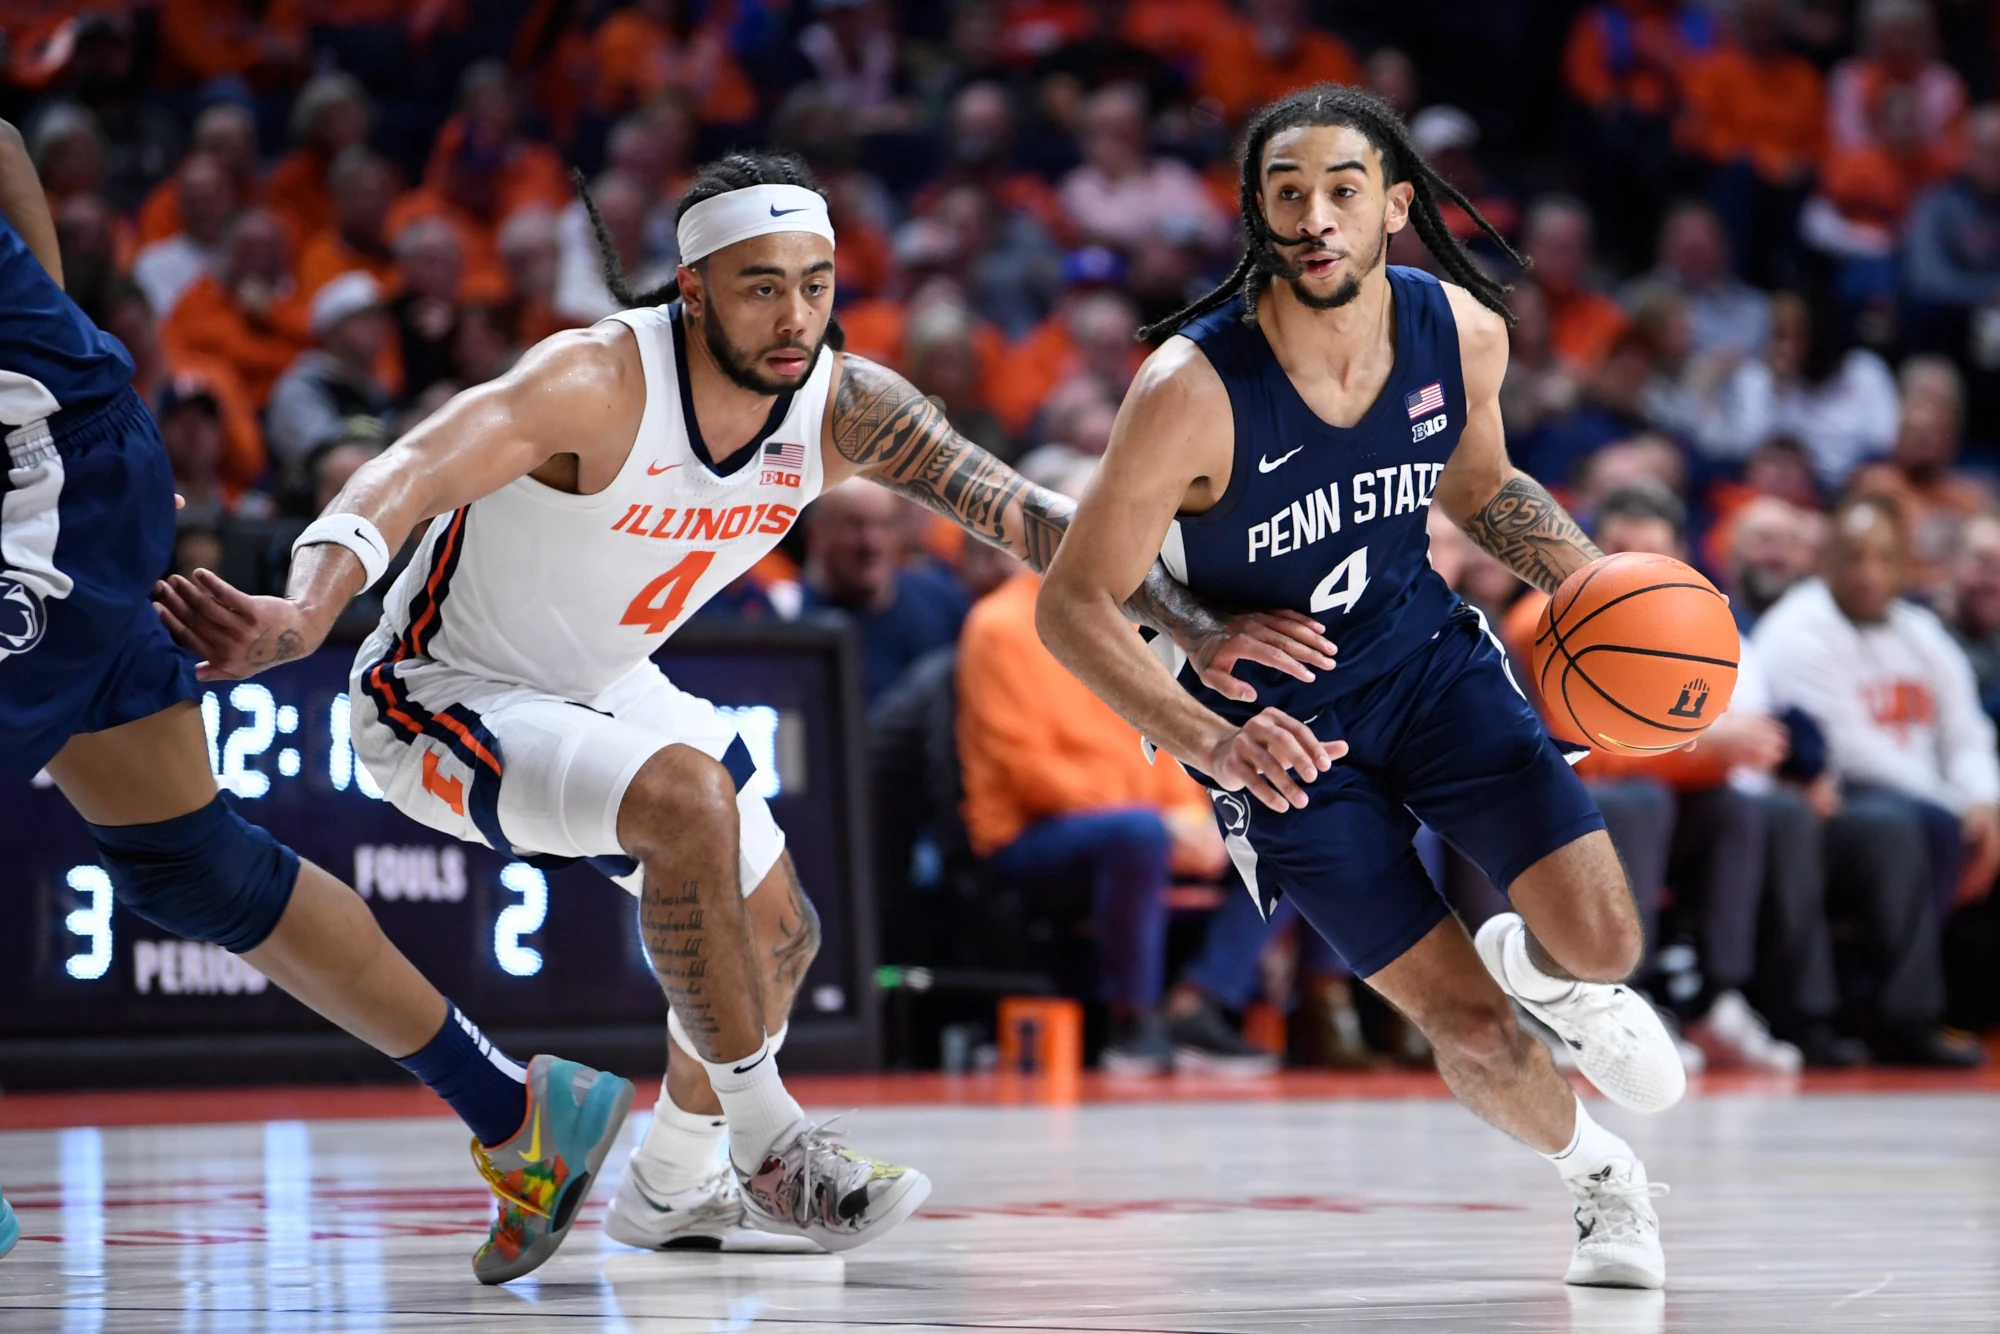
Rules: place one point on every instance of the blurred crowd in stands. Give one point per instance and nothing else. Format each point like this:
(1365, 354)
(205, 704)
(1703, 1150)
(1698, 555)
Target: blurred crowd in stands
(1761, 331)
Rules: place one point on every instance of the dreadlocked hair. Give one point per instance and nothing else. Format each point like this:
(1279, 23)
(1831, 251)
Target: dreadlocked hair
(1338, 104)
(737, 171)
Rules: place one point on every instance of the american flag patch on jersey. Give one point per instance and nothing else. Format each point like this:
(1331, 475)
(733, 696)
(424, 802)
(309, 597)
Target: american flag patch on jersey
(1426, 400)
(778, 454)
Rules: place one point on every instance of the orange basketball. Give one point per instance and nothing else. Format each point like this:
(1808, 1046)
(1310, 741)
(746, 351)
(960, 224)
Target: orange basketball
(1635, 653)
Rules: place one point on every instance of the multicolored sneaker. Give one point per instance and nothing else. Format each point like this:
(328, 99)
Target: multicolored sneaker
(708, 1216)
(10, 1227)
(811, 1186)
(543, 1174)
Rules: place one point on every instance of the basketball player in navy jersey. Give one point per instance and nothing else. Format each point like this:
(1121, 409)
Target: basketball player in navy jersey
(93, 689)
(1282, 449)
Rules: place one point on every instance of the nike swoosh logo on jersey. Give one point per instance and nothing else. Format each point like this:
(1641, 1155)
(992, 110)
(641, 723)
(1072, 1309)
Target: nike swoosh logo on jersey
(1266, 465)
(777, 212)
(653, 471)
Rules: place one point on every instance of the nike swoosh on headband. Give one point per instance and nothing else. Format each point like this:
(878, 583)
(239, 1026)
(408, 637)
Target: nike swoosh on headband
(777, 212)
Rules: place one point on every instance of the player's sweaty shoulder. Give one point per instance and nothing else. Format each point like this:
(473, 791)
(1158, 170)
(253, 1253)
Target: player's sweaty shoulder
(581, 392)
(1482, 343)
(1178, 402)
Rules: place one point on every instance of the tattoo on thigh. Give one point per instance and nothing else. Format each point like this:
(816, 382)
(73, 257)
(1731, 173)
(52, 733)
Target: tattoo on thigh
(798, 934)
(670, 918)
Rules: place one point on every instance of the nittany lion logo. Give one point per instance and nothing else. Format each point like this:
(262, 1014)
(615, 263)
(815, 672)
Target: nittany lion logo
(1235, 813)
(22, 616)
(1694, 698)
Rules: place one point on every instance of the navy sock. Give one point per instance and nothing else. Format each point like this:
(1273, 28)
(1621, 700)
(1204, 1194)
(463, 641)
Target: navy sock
(483, 1085)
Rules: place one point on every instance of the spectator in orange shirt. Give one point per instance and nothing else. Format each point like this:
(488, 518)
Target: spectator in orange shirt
(1269, 52)
(226, 132)
(331, 115)
(928, 260)
(488, 124)
(167, 267)
(247, 315)
(128, 317)
(1583, 322)
(1093, 282)
(1062, 801)
(363, 186)
(1856, 218)
(1625, 64)
(1753, 111)
(654, 47)
(1899, 44)
(212, 39)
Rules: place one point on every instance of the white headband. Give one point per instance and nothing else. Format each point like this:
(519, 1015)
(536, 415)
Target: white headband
(756, 210)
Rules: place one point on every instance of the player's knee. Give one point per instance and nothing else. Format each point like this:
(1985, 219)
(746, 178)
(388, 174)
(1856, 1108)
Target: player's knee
(210, 875)
(1609, 945)
(677, 790)
(1477, 1032)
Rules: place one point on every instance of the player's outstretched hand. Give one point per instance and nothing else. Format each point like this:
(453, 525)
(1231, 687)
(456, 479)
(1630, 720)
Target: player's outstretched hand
(236, 634)
(1289, 641)
(1261, 756)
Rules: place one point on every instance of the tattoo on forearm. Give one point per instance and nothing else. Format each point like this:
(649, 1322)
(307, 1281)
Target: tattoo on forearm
(903, 440)
(1531, 534)
(798, 934)
(881, 422)
(670, 918)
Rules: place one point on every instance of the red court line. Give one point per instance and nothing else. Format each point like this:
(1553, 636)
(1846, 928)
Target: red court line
(45, 1111)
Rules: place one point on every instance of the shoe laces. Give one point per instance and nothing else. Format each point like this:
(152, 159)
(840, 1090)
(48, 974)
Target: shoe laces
(498, 1184)
(1617, 1204)
(814, 1141)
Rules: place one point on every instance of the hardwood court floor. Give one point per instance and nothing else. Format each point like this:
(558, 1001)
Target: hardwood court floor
(1260, 1208)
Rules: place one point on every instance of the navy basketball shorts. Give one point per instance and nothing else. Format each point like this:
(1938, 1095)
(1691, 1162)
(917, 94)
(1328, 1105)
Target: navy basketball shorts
(86, 527)
(1446, 739)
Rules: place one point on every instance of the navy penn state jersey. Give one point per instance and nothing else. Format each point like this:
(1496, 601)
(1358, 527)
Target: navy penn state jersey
(52, 358)
(1328, 520)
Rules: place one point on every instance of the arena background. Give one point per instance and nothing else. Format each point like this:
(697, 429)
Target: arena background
(1766, 244)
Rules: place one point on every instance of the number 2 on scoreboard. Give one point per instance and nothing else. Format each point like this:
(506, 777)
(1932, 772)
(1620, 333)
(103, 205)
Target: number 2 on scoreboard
(659, 603)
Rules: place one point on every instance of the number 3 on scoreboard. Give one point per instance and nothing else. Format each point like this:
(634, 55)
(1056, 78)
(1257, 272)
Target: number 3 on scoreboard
(659, 604)
(1344, 584)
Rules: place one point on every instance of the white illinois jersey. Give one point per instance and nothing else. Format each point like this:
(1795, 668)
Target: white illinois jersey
(568, 593)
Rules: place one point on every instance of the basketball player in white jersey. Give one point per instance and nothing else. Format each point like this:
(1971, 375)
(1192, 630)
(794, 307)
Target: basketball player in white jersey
(581, 508)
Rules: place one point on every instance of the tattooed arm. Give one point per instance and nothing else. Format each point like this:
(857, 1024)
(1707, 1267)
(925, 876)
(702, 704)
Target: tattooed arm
(1500, 507)
(883, 429)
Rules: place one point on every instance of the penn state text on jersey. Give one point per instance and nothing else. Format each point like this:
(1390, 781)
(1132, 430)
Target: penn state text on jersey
(1328, 520)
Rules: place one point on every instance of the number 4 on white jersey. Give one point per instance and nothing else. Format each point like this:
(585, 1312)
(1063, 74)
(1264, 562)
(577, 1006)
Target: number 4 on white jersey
(1344, 584)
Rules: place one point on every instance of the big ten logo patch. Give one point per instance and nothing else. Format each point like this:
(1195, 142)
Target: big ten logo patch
(1429, 427)
(779, 477)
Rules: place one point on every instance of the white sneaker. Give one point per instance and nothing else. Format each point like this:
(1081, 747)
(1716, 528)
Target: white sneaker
(705, 1217)
(1733, 1034)
(1620, 1044)
(811, 1186)
(1618, 1234)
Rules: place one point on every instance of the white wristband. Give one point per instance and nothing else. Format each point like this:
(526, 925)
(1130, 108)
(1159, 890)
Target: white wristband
(355, 533)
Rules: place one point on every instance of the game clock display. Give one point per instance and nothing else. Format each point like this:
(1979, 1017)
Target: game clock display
(515, 945)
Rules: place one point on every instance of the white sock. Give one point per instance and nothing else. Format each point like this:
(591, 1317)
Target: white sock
(1523, 978)
(756, 1103)
(1590, 1147)
(682, 1150)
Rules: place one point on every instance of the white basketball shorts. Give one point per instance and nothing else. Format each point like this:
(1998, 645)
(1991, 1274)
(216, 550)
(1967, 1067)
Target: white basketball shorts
(527, 772)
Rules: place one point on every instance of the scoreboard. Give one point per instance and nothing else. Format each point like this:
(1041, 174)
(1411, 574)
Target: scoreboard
(516, 947)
